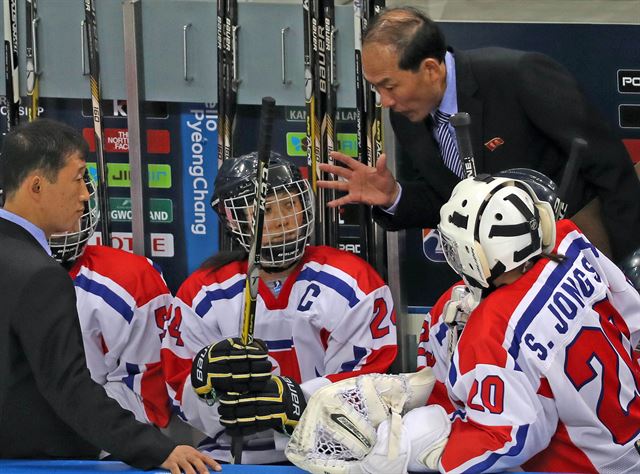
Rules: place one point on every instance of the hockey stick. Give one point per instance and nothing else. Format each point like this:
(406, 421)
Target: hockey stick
(461, 122)
(308, 84)
(373, 135)
(319, 66)
(225, 240)
(375, 8)
(33, 87)
(371, 8)
(310, 92)
(253, 265)
(98, 125)
(330, 225)
(364, 212)
(222, 111)
(589, 218)
(231, 73)
(11, 63)
(578, 146)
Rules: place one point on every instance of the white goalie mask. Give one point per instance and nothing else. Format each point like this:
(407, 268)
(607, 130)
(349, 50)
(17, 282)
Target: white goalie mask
(68, 246)
(288, 218)
(492, 225)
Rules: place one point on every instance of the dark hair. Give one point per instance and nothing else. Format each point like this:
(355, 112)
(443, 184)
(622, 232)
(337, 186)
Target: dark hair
(41, 145)
(553, 256)
(220, 259)
(410, 32)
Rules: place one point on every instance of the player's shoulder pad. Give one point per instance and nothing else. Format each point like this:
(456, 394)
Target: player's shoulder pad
(367, 277)
(124, 268)
(564, 227)
(205, 277)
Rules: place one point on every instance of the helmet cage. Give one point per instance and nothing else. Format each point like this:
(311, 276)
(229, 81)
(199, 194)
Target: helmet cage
(289, 210)
(68, 246)
(288, 222)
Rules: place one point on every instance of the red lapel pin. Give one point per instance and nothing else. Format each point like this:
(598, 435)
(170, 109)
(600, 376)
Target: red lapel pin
(494, 143)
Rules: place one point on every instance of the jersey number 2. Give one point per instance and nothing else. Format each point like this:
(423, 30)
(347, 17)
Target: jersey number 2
(380, 312)
(594, 348)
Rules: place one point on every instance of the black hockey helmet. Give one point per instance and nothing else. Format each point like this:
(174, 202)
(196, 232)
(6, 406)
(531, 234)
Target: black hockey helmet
(544, 187)
(237, 176)
(631, 268)
(234, 195)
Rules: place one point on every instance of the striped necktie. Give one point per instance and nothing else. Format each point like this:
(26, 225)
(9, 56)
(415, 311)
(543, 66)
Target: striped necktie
(447, 142)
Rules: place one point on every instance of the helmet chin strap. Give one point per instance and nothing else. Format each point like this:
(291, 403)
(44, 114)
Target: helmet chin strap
(273, 270)
(478, 291)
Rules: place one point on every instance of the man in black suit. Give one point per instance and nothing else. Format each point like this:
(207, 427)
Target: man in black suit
(50, 407)
(525, 110)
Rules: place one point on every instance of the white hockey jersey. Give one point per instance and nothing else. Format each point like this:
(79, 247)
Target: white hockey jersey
(123, 303)
(332, 319)
(544, 375)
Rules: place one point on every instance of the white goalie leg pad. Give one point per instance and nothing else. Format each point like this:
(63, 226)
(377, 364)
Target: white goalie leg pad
(338, 427)
(428, 429)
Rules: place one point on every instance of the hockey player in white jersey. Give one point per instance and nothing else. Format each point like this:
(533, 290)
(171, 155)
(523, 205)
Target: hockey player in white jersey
(322, 315)
(533, 353)
(123, 303)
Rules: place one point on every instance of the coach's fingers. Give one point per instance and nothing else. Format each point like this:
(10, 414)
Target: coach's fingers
(381, 164)
(186, 467)
(343, 201)
(339, 171)
(348, 161)
(205, 460)
(183, 459)
(200, 465)
(337, 185)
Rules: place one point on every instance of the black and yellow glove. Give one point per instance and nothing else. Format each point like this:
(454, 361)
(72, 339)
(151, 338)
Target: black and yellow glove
(230, 366)
(278, 406)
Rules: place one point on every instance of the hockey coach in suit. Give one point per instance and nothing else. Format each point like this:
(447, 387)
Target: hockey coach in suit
(49, 406)
(525, 109)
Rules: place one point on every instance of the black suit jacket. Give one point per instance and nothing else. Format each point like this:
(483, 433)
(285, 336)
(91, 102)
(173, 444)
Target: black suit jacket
(535, 107)
(51, 408)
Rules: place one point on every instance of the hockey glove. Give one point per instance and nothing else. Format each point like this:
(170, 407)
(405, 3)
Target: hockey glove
(230, 366)
(278, 406)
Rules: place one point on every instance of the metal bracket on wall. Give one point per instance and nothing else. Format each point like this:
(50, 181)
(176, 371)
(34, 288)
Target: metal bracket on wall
(83, 38)
(283, 55)
(185, 56)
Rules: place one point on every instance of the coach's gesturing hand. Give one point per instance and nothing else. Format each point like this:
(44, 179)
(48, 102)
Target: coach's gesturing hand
(364, 184)
(230, 366)
(279, 406)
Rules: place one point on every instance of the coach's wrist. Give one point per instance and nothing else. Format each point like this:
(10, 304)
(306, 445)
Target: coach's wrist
(393, 196)
(396, 195)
